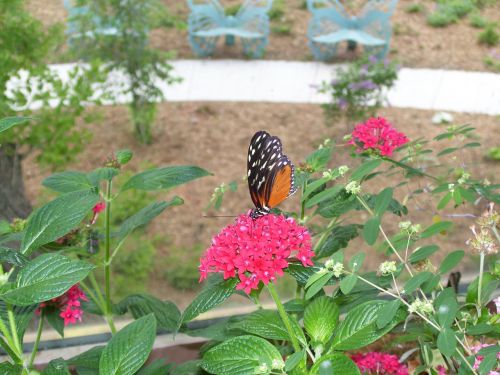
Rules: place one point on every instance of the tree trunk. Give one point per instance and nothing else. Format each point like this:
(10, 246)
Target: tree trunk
(13, 201)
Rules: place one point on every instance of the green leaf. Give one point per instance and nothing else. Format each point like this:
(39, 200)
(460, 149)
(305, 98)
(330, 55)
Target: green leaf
(479, 329)
(321, 318)
(447, 151)
(187, 368)
(241, 356)
(12, 256)
(158, 367)
(57, 218)
(166, 313)
(387, 313)
(436, 228)
(359, 329)
(371, 230)
(488, 363)
(365, 168)
(268, 324)
(316, 276)
(422, 253)
(127, 351)
(318, 285)
(451, 261)
(67, 182)
(383, 200)
(124, 156)
(56, 367)
(102, 174)
(164, 178)
(414, 283)
(45, 277)
(324, 195)
(335, 364)
(9, 122)
(208, 298)
(319, 158)
(52, 317)
(87, 361)
(348, 283)
(23, 316)
(446, 307)
(356, 262)
(445, 200)
(338, 239)
(446, 342)
(144, 216)
(313, 186)
(293, 360)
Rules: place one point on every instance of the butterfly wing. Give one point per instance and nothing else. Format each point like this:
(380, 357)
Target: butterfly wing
(270, 173)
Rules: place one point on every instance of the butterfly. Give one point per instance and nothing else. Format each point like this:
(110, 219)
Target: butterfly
(271, 175)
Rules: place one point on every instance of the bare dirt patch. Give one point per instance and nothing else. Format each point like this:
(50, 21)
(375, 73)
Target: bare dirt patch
(414, 43)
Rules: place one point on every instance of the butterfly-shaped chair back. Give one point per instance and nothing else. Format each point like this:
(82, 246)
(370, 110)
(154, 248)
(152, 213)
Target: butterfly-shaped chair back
(370, 27)
(208, 21)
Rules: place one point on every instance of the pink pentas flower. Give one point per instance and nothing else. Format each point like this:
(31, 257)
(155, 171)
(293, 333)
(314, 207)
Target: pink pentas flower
(99, 207)
(377, 134)
(379, 363)
(479, 358)
(68, 304)
(257, 250)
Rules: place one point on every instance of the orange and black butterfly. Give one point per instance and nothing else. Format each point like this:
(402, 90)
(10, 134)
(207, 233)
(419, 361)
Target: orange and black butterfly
(271, 175)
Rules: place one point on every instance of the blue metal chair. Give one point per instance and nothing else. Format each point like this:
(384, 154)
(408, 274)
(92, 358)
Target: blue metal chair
(208, 21)
(331, 24)
(74, 11)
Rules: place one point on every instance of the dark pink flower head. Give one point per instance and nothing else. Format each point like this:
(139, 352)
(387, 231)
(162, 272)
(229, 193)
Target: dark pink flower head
(256, 250)
(99, 207)
(68, 304)
(377, 134)
(379, 363)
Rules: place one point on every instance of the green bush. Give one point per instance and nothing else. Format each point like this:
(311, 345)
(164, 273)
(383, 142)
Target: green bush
(489, 36)
(277, 11)
(493, 154)
(477, 21)
(449, 11)
(181, 266)
(415, 8)
(441, 18)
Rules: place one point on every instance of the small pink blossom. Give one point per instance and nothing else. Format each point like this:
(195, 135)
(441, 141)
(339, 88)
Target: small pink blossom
(377, 134)
(99, 207)
(479, 358)
(68, 304)
(255, 250)
(379, 363)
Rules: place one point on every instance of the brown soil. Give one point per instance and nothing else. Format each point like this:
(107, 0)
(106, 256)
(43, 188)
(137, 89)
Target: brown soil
(215, 136)
(415, 43)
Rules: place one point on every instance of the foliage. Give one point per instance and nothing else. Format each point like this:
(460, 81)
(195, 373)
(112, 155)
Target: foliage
(477, 21)
(59, 103)
(415, 8)
(493, 153)
(450, 11)
(359, 90)
(489, 36)
(57, 248)
(310, 333)
(493, 60)
(180, 266)
(126, 50)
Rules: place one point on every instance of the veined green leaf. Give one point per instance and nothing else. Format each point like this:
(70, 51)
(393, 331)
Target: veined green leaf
(67, 182)
(321, 318)
(164, 178)
(451, 261)
(9, 122)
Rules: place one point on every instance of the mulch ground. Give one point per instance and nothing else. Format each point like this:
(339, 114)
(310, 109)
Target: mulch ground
(414, 43)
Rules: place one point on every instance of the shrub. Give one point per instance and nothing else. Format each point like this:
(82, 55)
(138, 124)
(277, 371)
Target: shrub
(441, 18)
(415, 8)
(477, 21)
(493, 154)
(489, 35)
(493, 60)
(277, 10)
(358, 91)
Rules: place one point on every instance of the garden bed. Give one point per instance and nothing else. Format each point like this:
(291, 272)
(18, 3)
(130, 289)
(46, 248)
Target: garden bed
(215, 136)
(415, 43)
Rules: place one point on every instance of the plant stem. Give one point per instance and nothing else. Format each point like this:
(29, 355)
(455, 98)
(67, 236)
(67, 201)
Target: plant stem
(480, 281)
(13, 329)
(284, 317)
(107, 265)
(37, 341)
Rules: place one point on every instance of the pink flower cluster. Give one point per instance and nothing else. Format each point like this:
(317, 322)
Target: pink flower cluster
(256, 250)
(68, 304)
(479, 358)
(379, 363)
(377, 134)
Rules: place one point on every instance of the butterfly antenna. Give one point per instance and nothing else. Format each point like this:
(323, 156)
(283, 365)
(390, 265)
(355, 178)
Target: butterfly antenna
(213, 216)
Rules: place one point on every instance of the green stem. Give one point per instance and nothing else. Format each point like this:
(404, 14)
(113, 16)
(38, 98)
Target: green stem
(107, 265)
(10, 343)
(37, 341)
(480, 282)
(97, 290)
(284, 316)
(13, 329)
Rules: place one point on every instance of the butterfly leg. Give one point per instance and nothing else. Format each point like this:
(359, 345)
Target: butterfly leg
(203, 46)
(254, 47)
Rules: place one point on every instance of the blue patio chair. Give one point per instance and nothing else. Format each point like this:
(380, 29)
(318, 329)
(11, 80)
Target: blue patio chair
(74, 11)
(330, 24)
(208, 21)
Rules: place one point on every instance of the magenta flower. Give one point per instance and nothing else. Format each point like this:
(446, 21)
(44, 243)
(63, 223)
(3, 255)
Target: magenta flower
(255, 250)
(379, 135)
(379, 363)
(68, 304)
